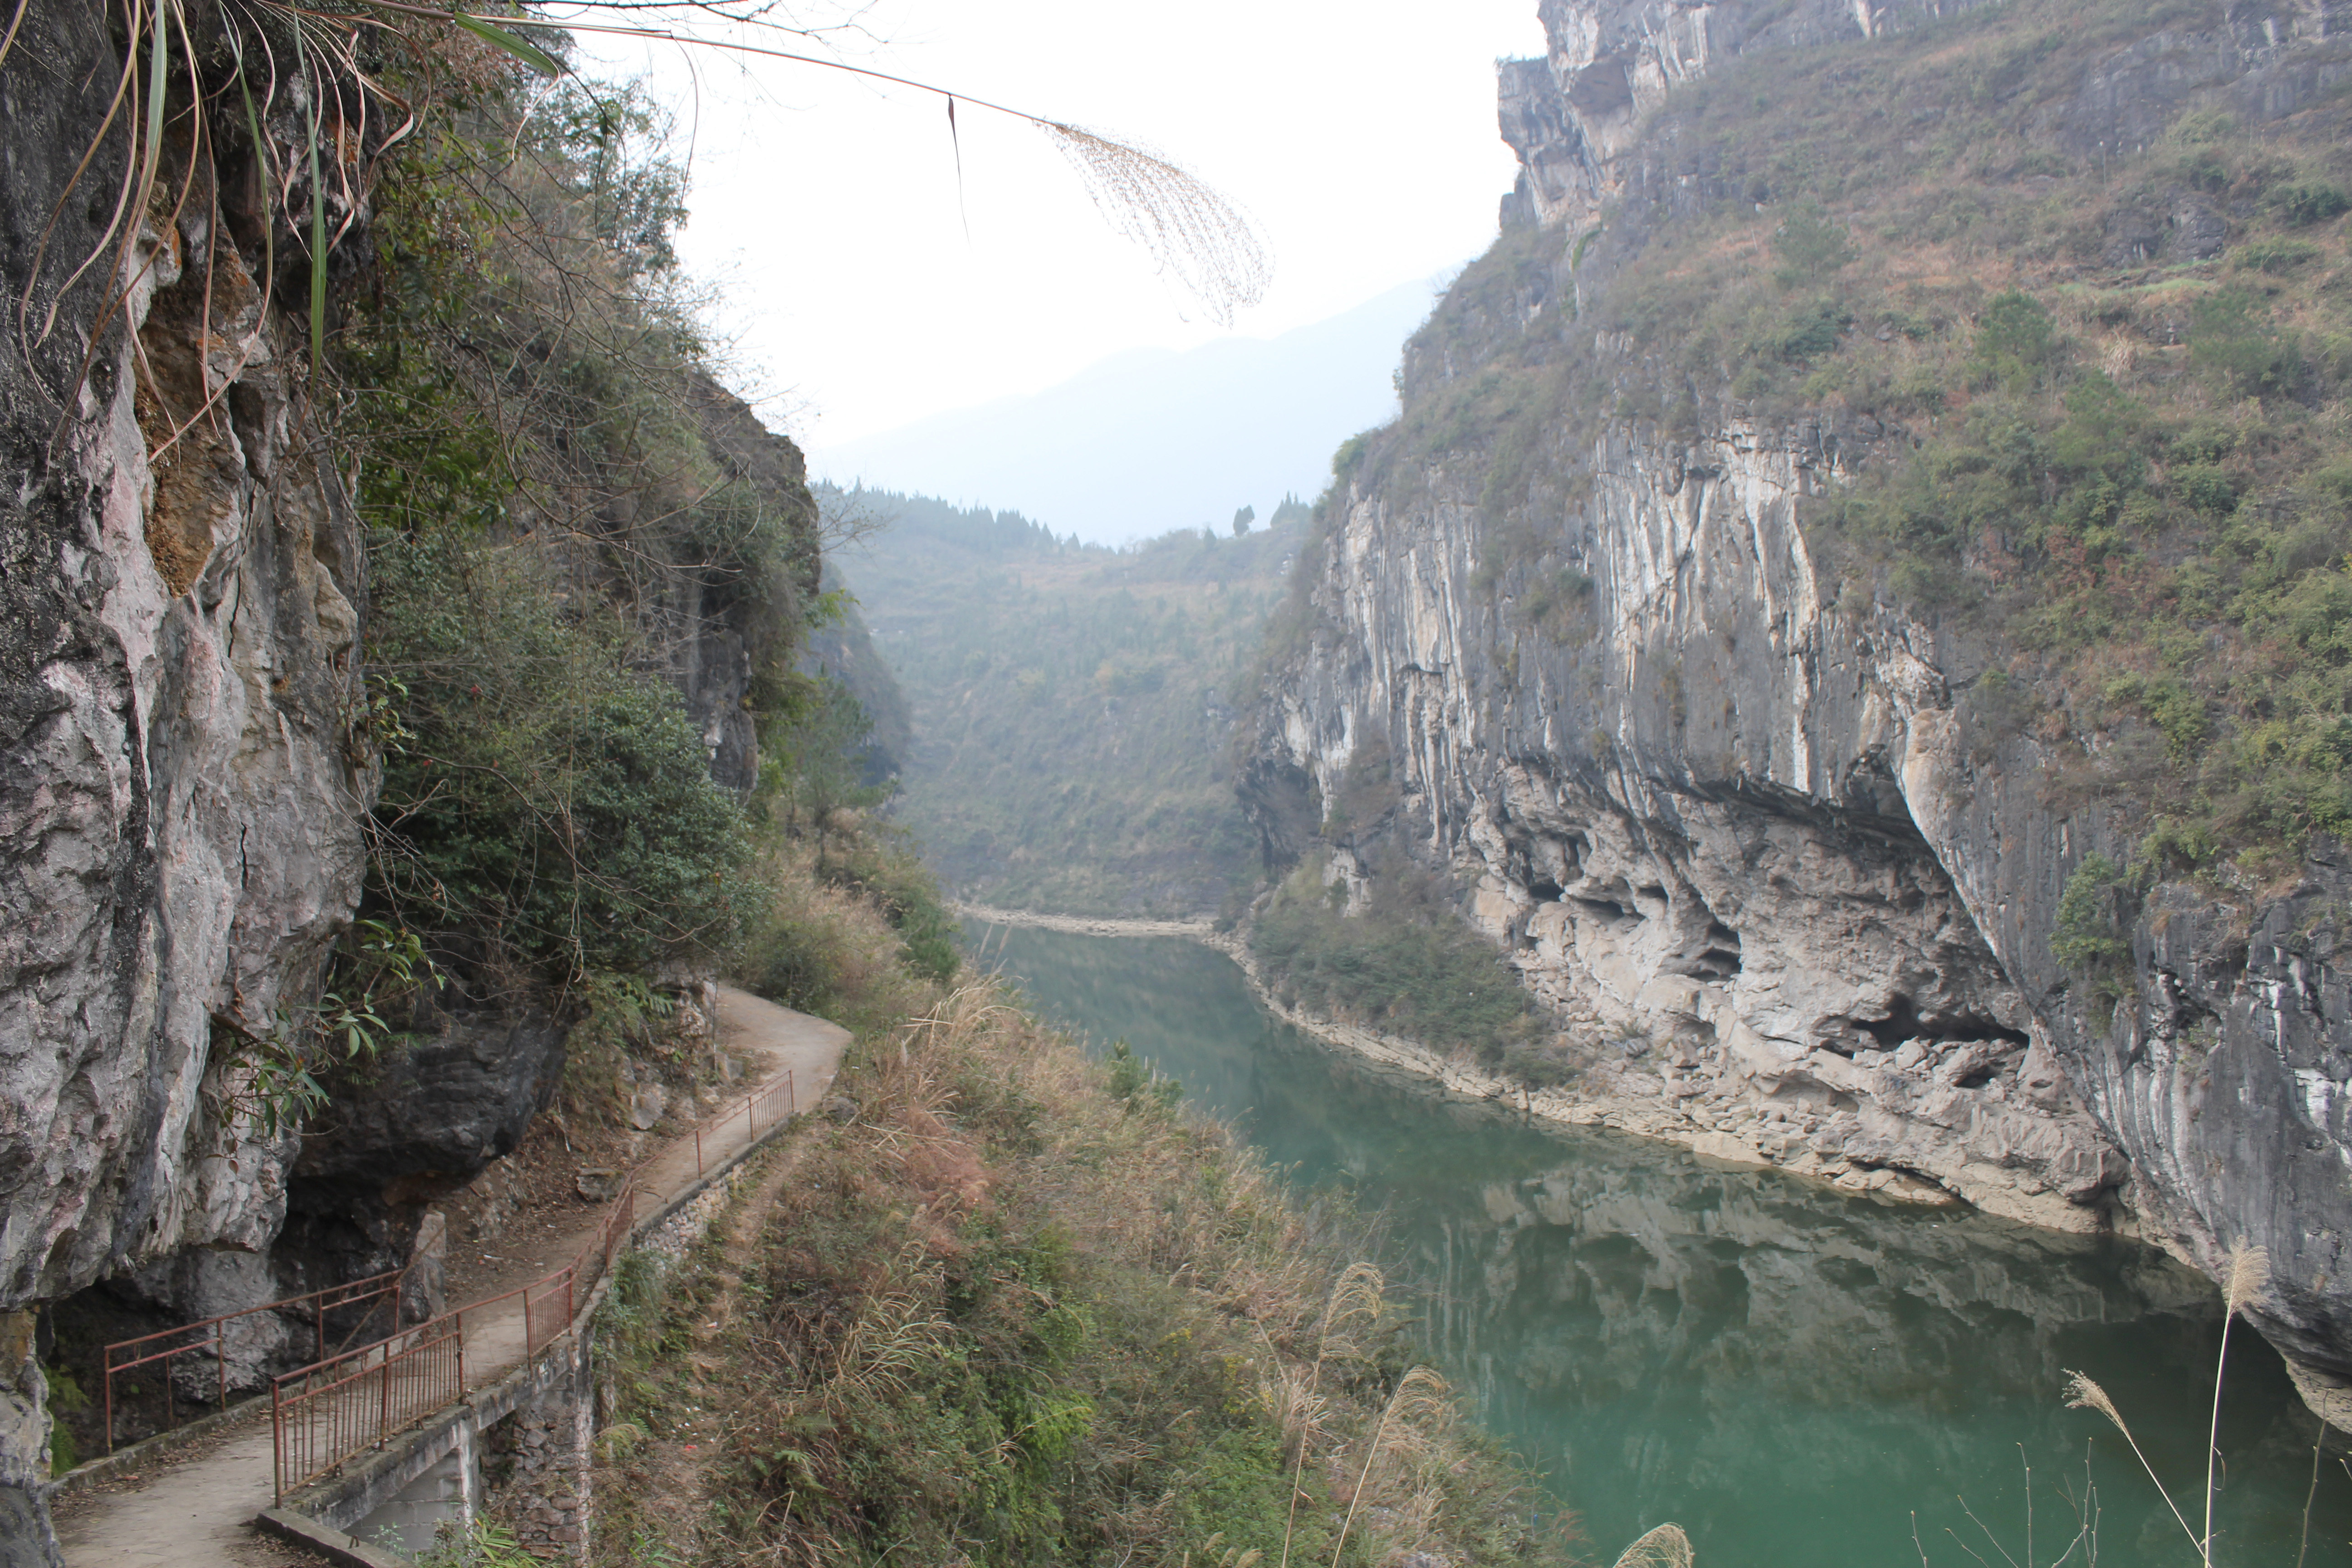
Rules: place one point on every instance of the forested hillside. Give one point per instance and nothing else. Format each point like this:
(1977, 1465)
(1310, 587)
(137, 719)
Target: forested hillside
(1070, 712)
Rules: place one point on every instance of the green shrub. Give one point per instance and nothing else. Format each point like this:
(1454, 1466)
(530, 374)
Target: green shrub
(1998, 707)
(2015, 340)
(885, 869)
(814, 737)
(1807, 332)
(1366, 791)
(1350, 457)
(1558, 602)
(1137, 1084)
(2276, 255)
(2087, 936)
(2307, 202)
(1545, 1063)
(542, 796)
(1407, 965)
(1811, 248)
(2209, 488)
(481, 1545)
(2232, 338)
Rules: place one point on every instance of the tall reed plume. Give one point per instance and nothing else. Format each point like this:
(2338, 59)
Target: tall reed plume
(2249, 1278)
(1356, 1297)
(1420, 1398)
(1664, 1547)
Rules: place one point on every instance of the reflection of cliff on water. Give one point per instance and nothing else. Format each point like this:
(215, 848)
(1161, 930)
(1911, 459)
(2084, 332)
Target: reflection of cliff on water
(1788, 1371)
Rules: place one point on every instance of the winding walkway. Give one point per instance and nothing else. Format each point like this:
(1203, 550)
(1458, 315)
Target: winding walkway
(194, 1510)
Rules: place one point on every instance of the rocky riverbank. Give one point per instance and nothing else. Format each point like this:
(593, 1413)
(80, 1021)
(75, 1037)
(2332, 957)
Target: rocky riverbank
(1708, 1106)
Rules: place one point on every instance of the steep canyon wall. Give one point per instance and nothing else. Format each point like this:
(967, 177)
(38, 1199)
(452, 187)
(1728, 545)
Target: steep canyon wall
(1727, 810)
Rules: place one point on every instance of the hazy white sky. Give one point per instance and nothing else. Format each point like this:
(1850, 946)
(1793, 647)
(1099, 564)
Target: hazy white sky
(1359, 135)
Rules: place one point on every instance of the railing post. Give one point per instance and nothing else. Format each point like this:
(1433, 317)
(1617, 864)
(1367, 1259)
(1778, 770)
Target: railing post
(791, 1093)
(109, 1354)
(697, 1149)
(383, 1406)
(220, 1357)
(278, 1439)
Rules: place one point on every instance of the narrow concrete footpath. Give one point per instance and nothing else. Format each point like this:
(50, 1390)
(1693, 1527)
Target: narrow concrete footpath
(195, 1508)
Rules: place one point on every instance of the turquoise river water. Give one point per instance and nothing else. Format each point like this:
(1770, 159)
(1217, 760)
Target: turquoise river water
(1796, 1376)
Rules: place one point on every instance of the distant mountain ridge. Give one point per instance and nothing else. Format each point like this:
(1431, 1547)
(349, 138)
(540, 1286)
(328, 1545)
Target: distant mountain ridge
(1152, 440)
(1066, 704)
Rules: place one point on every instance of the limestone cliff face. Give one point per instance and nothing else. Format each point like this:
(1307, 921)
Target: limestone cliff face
(180, 803)
(714, 635)
(1571, 115)
(180, 800)
(1741, 837)
(1698, 819)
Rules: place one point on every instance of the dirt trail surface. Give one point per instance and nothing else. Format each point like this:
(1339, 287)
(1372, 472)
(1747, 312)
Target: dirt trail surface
(195, 1508)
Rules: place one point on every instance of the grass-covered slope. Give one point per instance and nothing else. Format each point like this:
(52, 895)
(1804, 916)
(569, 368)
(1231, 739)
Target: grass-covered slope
(1018, 1309)
(1069, 702)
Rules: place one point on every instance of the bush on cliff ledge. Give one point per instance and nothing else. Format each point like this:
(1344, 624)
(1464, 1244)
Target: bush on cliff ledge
(1405, 964)
(542, 796)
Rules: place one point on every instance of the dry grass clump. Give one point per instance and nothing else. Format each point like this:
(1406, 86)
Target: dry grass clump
(1019, 1309)
(825, 948)
(1664, 1547)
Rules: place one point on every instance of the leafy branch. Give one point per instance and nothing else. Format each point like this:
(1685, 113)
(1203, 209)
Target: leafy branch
(280, 1074)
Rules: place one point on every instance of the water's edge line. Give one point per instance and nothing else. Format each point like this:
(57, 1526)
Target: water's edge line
(1426, 1068)
(1393, 1052)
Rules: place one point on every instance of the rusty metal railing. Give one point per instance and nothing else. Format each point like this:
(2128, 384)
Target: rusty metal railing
(620, 1220)
(779, 1102)
(322, 1415)
(211, 1336)
(342, 1406)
